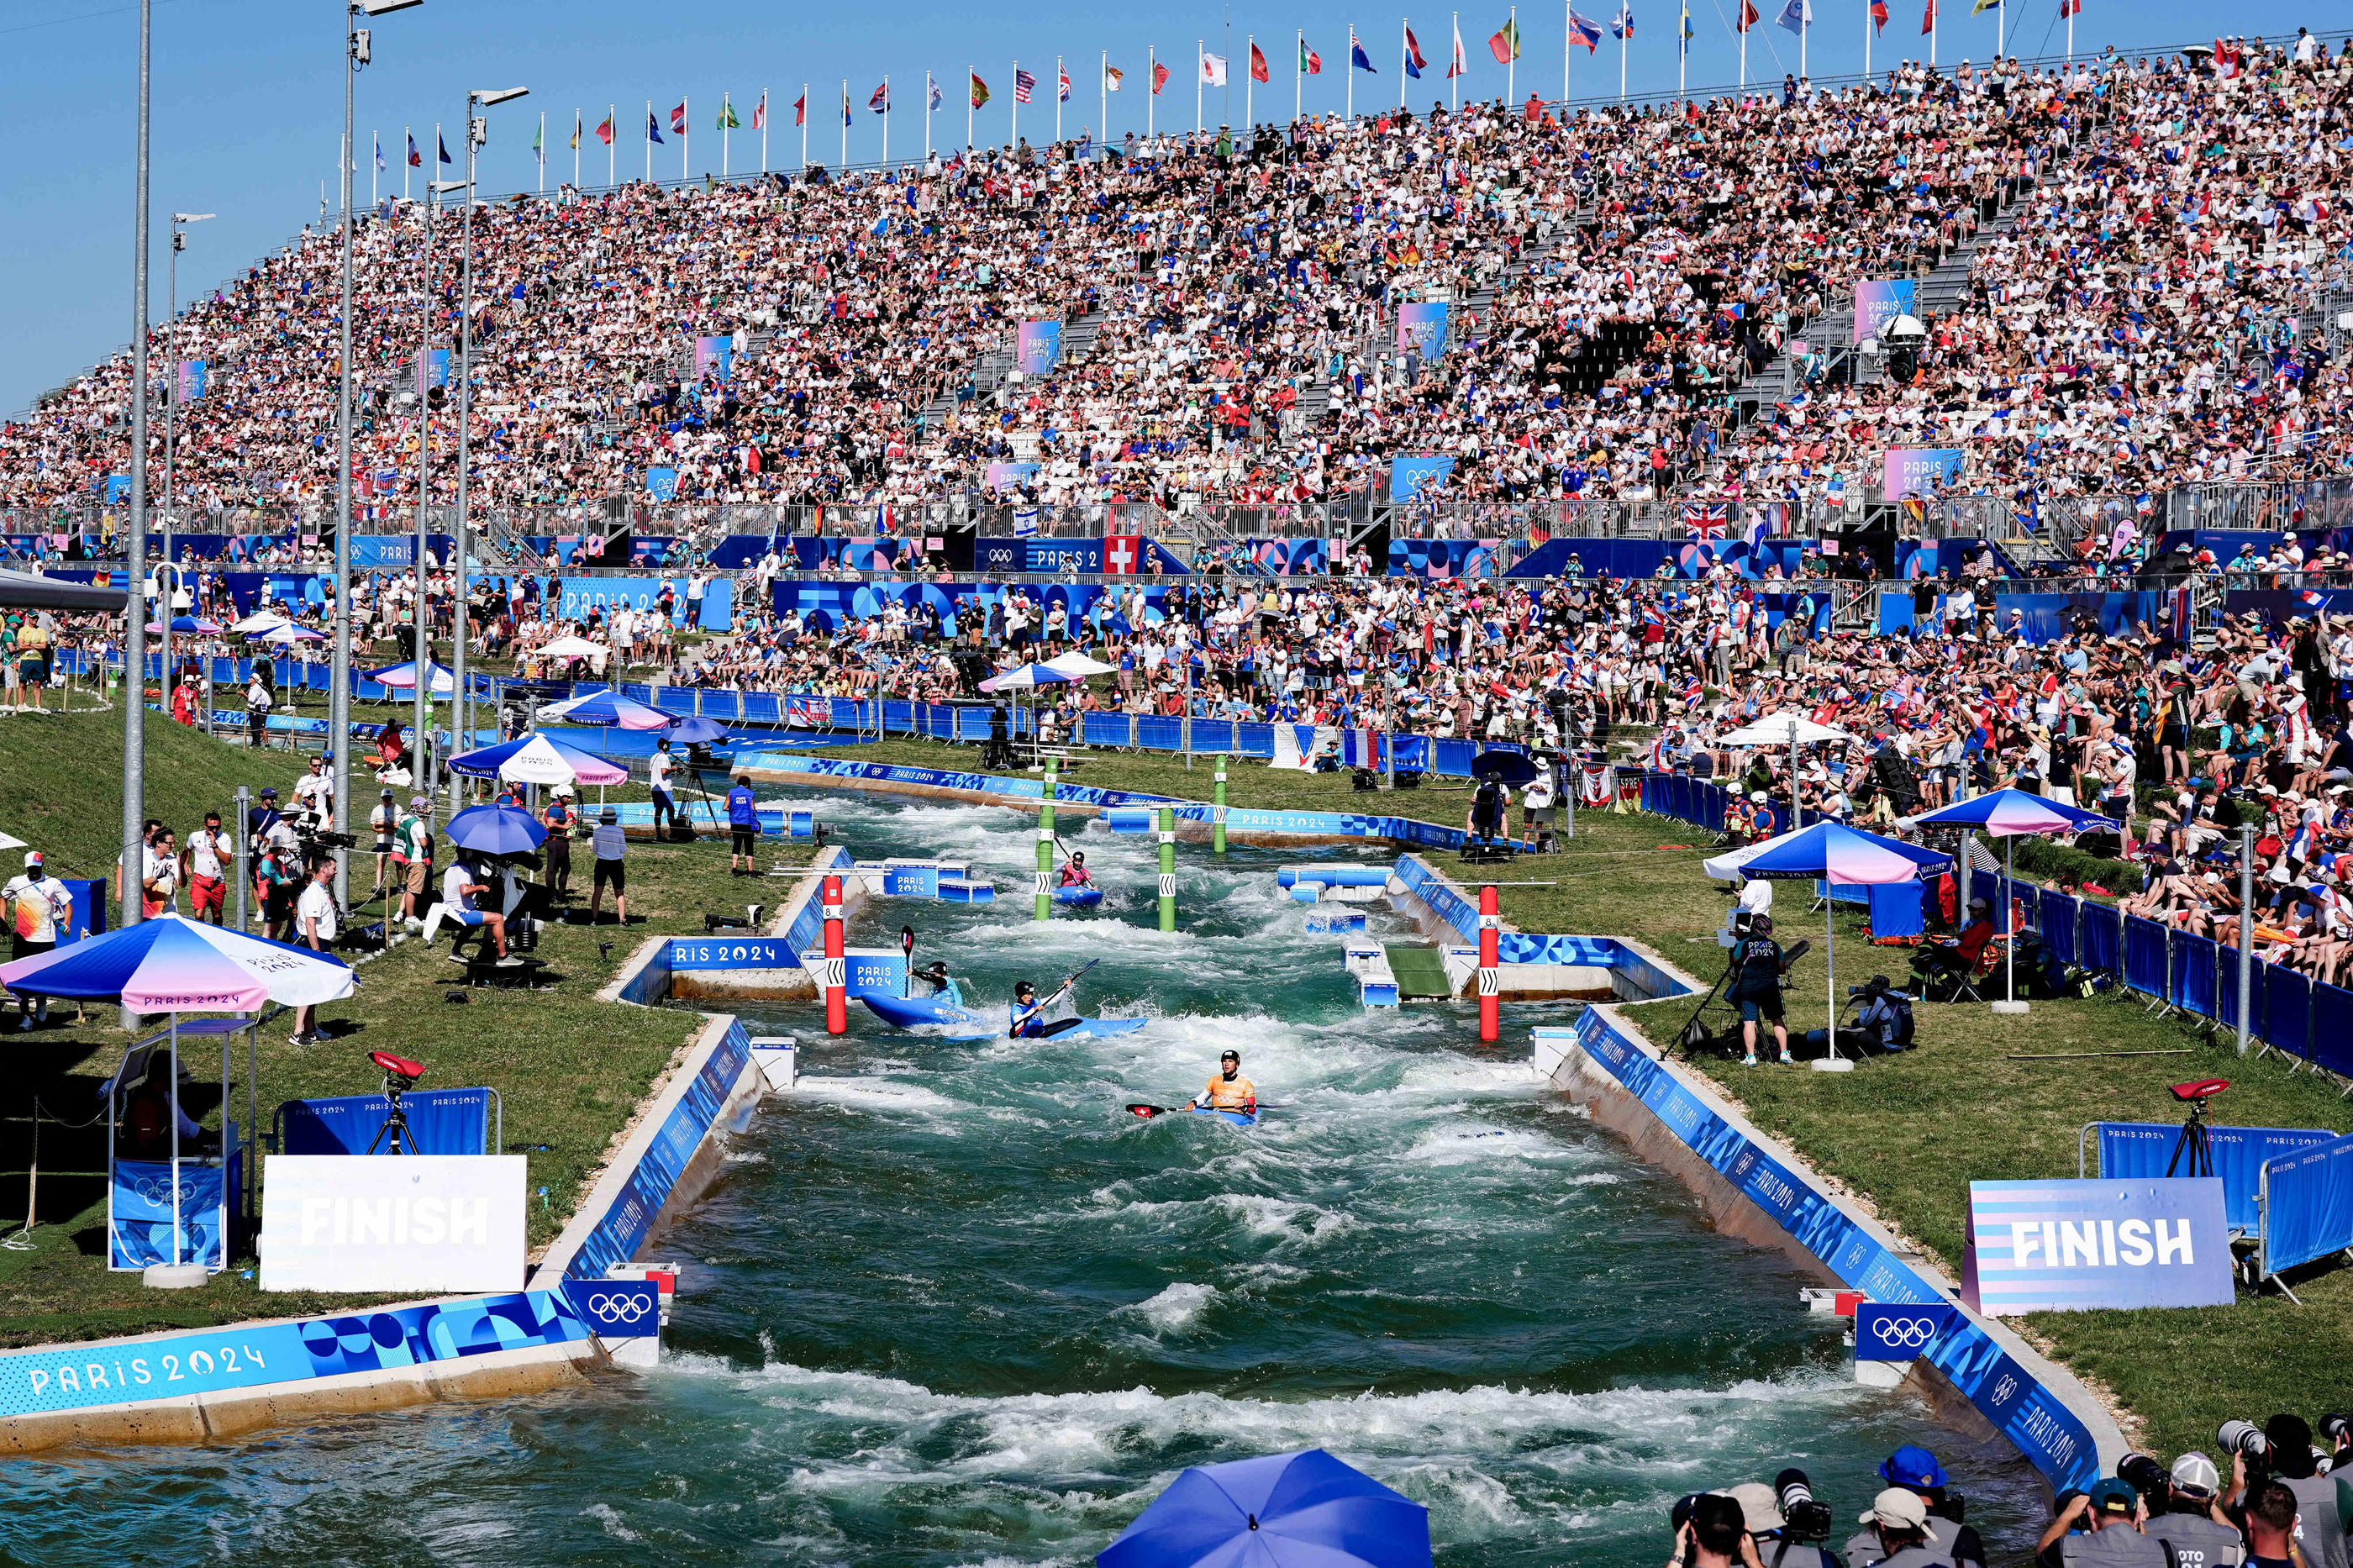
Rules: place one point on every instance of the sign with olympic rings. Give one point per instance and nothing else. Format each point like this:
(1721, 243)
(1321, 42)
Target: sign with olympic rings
(616, 1309)
(1889, 1331)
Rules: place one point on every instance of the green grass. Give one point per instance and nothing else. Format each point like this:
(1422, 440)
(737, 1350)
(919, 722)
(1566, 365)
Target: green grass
(1910, 1132)
(570, 1069)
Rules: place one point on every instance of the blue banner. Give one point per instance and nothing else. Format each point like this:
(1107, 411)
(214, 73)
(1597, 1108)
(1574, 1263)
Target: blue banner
(1037, 345)
(2308, 1204)
(2063, 1246)
(139, 1214)
(615, 1237)
(1877, 302)
(1410, 476)
(2139, 1150)
(662, 484)
(1422, 330)
(737, 952)
(616, 1309)
(440, 1122)
(1884, 1333)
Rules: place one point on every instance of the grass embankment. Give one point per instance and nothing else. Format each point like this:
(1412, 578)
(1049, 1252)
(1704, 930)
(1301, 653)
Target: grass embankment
(570, 1069)
(1910, 1132)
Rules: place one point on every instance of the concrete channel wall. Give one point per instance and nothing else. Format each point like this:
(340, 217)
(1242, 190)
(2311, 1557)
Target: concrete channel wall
(1977, 1374)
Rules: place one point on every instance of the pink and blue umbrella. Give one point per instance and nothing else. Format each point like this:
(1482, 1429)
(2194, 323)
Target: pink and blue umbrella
(607, 710)
(173, 964)
(1285, 1511)
(403, 678)
(2006, 814)
(539, 759)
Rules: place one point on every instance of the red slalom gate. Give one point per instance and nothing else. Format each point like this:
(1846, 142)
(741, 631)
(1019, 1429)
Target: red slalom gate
(1491, 973)
(835, 976)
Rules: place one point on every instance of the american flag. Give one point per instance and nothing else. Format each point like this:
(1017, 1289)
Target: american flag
(1707, 520)
(1024, 84)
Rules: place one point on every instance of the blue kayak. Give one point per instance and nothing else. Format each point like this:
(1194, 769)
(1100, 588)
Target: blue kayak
(1238, 1118)
(915, 1012)
(1088, 1029)
(1079, 897)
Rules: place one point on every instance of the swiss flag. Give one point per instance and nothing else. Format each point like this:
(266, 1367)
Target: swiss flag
(1122, 552)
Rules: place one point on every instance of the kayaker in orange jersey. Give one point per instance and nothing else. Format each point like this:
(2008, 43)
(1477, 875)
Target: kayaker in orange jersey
(1229, 1090)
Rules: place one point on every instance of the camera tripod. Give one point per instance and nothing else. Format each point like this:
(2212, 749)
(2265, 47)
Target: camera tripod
(2193, 1144)
(396, 1083)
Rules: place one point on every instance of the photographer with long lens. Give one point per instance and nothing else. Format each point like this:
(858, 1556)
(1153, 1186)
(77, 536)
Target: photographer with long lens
(2099, 1529)
(2185, 1511)
(2282, 1452)
(1787, 1525)
(1915, 1469)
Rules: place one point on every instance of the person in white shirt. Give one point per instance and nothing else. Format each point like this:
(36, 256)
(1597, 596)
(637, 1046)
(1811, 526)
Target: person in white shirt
(314, 792)
(38, 905)
(459, 887)
(384, 821)
(315, 923)
(659, 768)
(257, 712)
(159, 876)
(206, 864)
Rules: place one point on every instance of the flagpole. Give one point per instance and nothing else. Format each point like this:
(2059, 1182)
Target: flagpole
(845, 122)
(929, 110)
(886, 118)
(1151, 91)
(1298, 74)
(375, 141)
(685, 138)
(726, 132)
(1103, 90)
(1932, 35)
(764, 130)
(1200, 73)
(575, 150)
(1058, 98)
(1511, 65)
(968, 75)
(2001, 26)
(407, 142)
(804, 119)
(1866, 45)
(1454, 69)
(1249, 81)
(1805, 25)
(1682, 55)
(1627, 12)
(612, 145)
(1352, 71)
(1743, 15)
(1405, 54)
(1567, 39)
(2070, 34)
(543, 151)
(648, 137)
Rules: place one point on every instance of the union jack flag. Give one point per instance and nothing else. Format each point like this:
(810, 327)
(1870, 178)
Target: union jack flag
(1694, 690)
(1707, 520)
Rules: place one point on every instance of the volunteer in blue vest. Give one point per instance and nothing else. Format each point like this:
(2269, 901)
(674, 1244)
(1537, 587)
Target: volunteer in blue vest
(743, 827)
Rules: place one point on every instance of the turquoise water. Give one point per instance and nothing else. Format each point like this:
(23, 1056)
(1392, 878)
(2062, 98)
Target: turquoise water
(949, 1305)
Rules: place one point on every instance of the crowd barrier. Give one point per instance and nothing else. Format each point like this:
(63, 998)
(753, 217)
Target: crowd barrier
(2307, 1204)
(2134, 1151)
(2287, 1010)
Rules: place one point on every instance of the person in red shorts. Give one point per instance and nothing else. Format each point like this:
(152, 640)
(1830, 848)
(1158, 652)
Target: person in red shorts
(206, 862)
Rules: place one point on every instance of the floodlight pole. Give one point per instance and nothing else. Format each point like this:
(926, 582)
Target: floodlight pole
(134, 637)
(2246, 927)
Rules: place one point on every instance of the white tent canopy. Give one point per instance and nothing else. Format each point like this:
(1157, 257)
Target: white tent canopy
(576, 648)
(1078, 664)
(1775, 730)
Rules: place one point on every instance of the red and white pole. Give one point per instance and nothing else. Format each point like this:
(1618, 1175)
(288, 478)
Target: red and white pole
(1491, 972)
(834, 977)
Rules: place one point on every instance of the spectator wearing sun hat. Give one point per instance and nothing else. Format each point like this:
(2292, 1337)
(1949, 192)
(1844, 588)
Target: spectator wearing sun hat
(1915, 1469)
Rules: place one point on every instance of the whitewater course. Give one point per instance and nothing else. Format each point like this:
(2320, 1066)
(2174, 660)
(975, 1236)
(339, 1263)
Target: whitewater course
(948, 1304)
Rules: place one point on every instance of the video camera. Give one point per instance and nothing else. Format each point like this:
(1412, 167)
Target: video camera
(316, 839)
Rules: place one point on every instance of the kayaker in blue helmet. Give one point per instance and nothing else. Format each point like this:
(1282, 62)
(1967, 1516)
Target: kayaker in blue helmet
(1228, 1090)
(1029, 1015)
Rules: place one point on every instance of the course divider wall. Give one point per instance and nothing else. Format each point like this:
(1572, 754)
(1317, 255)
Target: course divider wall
(2037, 1407)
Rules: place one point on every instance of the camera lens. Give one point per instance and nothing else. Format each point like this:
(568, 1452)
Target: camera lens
(2336, 1427)
(2242, 1437)
(2143, 1474)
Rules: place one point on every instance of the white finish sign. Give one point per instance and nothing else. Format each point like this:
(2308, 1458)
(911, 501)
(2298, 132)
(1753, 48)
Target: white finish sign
(409, 1222)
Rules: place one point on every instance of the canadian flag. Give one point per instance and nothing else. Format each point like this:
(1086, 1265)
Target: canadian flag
(1122, 552)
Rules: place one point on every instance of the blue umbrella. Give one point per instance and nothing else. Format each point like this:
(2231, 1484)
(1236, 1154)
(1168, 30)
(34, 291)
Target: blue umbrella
(496, 830)
(696, 731)
(2006, 814)
(1835, 854)
(1285, 1511)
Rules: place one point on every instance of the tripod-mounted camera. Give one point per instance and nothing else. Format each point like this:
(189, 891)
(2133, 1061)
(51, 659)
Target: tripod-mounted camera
(2193, 1145)
(400, 1075)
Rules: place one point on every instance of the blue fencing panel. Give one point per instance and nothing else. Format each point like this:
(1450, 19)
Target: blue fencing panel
(1258, 740)
(2102, 938)
(2193, 973)
(674, 698)
(2226, 997)
(2057, 924)
(759, 708)
(2287, 1009)
(846, 713)
(972, 724)
(2309, 1198)
(1451, 758)
(1213, 735)
(2144, 957)
(643, 693)
(1104, 728)
(1895, 909)
(898, 714)
(442, 1120)
(2332, 1029)
(2134, 1151)
(1160, 734)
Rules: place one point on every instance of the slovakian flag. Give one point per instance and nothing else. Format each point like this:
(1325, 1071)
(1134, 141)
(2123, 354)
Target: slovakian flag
(979, 91)
(1257, 64)
(1160, 75)
(1621, 25)
(881, 101)
(1505, 44)
(1310, 62)
(1414, 62)
(1357, 56)
(1587, 31)
(415, 159)
(1024, 84)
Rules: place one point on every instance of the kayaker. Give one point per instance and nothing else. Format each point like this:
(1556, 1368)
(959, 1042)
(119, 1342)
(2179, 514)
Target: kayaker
(937, 977)
(1074, 870)
(1229, 1090)
(1028, 1022)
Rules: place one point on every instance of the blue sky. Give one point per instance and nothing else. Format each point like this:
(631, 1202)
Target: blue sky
(246, 100)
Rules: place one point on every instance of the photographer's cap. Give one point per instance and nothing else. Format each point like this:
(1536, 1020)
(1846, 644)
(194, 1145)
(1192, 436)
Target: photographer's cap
(1910, 1466)
(1898, 1508)
(2110, 1495)
(1759, 1511)
(2195, 1474)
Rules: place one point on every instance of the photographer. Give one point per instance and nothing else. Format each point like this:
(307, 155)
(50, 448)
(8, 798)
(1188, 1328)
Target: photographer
(1885, 1020)
(2186, 1511)
(1897, 1524)
(1758, 964)
(314, 921)
(1915, 1470)
(1784, 1521)
(2324, 1502)
(1713, 1535)
(2099, 1529)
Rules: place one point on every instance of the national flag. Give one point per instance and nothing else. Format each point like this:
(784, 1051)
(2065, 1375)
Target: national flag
(415, 159)
(1310, 62)
(1982, 6)
(2313, 599)
(1357, 56)
(653, 127)
(1707, 520)
(1683, 44)
(1798, 16)
(1257, 64)
(2070, 8)
(604, 132)
(800, 106)
(1062, 86)
(1455, 67)
(1878, 15)
(846, 121)
(379, 154)
(760, 113)
(1505, 44)
(1414, 62)
(1748, 17)
(1112, 76)
(1122, 554)
(1693, 691)
(1621, 25)
(1213, 71)
(979, 91)
(442, 145)
(575, 130)
(727, 120)
(1024, 84)
(678, 118)
(931, 94)
(1587, 31)
(880, 102)
(1160, 75)
(539, 144)
(1928, 19)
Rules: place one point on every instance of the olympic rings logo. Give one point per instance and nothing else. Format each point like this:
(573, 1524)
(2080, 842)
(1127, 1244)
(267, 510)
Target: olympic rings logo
(152, 1190)
(619, 1307)
(1907, 1334)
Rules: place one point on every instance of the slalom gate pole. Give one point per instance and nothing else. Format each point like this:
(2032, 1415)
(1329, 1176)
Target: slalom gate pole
(1491, 973)
(1046, 850)
(1167, 867)
(833, 978)
(1218, 814)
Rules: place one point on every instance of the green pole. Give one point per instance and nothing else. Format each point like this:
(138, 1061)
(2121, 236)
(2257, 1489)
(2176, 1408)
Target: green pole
(1217, 817)
(1046, 850)
(1167, 867)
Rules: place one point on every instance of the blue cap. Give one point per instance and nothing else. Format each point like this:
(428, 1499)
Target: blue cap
(1912, 1466)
